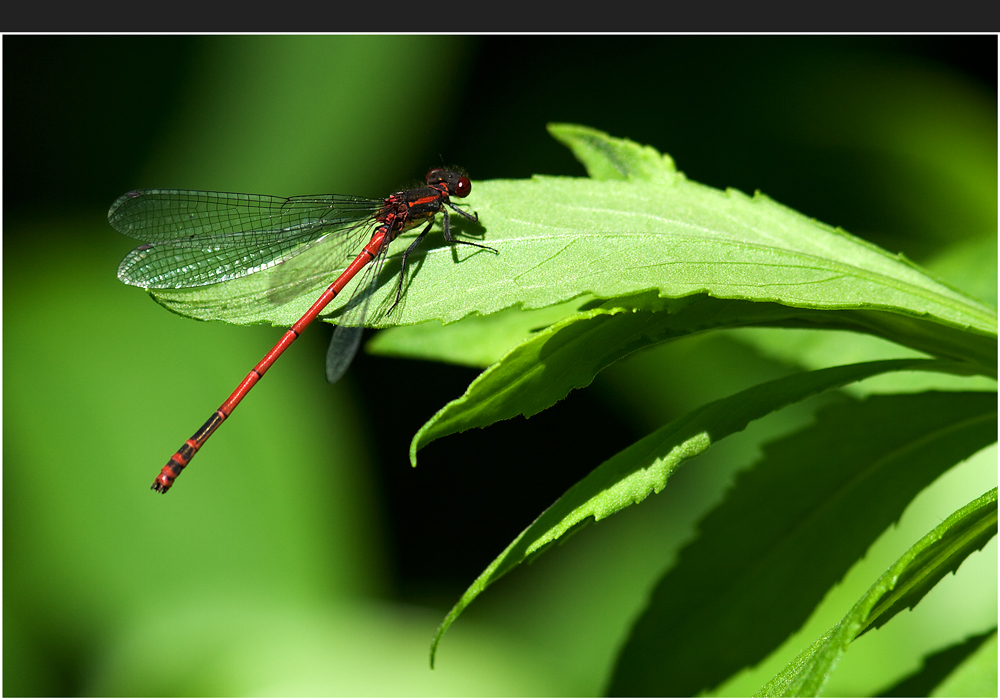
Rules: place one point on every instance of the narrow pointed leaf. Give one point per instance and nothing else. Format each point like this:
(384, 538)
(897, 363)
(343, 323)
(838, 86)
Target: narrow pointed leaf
(567, 355)
(942, 550)
(789, 529)
(644, 467)
(614, 159)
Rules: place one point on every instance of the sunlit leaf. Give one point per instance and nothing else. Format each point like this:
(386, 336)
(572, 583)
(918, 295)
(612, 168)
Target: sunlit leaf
(941, 551)
(756, 572)
(644, 467)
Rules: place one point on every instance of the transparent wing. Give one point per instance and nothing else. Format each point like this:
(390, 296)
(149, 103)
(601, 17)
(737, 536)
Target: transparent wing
(351, 324)
(196, 238)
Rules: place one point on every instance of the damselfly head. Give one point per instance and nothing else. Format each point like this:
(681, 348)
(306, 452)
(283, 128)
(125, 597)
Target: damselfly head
(456, 183)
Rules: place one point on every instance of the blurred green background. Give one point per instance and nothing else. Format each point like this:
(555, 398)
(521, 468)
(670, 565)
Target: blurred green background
(301, 555)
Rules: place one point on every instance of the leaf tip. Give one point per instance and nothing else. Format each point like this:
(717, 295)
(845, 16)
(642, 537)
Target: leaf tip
(608, 158)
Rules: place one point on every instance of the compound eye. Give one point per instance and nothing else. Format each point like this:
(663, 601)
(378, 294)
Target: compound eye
(463, 187)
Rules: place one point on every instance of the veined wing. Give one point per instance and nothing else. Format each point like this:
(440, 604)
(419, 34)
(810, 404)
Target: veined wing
(197, 238)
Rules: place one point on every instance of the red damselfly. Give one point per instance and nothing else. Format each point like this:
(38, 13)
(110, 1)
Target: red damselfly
(193, 238)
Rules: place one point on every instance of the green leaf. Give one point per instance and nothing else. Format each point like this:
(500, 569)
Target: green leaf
(644, 467)
(756, 572)
(760, 253)
(480, 341)
(938, 667)
(614, 159)
(568, 355)
(608, 158)
(475, 341)
(942, 550)
(973, 262)
(560, 238)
